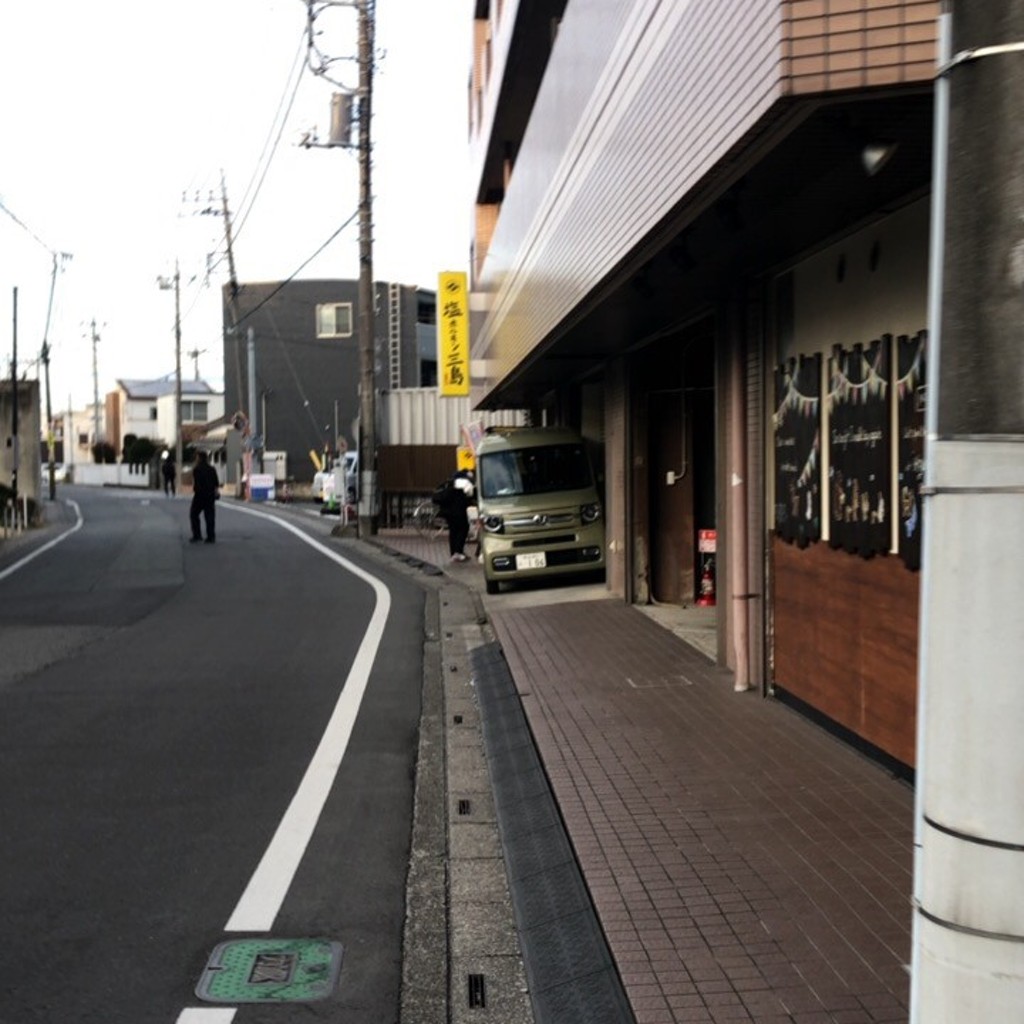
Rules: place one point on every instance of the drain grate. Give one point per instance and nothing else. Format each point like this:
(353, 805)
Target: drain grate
(271, 970)
(477, 991)
(465, 807)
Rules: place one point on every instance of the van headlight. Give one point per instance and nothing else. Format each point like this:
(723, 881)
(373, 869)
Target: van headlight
(590, 513)
(493, 524)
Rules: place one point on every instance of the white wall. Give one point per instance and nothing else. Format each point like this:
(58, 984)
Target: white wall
(112, 475)
(136, 419)
(165, 427)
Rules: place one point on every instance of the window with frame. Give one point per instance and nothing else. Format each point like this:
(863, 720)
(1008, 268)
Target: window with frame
(334, 320)
(194, 412)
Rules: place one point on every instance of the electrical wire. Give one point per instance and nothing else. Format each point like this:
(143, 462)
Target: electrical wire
(291, 277)
(21, 224)
(280, 120)
(314, 421)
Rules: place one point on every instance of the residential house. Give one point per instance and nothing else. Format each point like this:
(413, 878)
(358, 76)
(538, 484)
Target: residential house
(146, 408)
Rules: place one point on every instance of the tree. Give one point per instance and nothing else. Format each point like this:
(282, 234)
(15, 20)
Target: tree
(103, 453)
(140, 452)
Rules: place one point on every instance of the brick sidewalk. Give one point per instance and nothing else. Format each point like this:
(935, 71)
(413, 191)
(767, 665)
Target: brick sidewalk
(745, 865)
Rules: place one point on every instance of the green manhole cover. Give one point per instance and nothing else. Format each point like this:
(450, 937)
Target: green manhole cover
(271, 970)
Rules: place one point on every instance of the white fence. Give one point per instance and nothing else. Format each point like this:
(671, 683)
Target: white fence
(114, 475)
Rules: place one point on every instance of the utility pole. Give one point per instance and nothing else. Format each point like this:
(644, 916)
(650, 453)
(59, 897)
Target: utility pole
(341, 105)
(95, 390)
(57, 261)
(166, 285)
(254, 427)
(968, 945)
(178, 446)
(14, 399)
(50, 440)
(232, 288)
(367, 519)
(244, 423)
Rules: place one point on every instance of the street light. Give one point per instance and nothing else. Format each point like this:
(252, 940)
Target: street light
(166, 284)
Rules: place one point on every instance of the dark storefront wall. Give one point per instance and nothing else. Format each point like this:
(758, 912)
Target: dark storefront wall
(846, 398)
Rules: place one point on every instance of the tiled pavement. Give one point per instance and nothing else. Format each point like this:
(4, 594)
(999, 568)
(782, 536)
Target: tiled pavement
(744, 864)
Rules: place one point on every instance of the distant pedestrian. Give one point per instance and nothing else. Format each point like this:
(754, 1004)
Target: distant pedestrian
(453, 503)
(205, 492)
(170, 474)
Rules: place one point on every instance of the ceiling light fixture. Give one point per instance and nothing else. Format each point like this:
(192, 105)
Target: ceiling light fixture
(875, 155)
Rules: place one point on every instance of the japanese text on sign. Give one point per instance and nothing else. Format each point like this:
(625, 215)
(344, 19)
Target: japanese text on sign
(453, 334)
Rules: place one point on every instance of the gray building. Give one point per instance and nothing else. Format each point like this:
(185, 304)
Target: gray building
(304, 340)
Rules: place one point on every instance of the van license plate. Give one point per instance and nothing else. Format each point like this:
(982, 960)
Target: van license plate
(534, 560)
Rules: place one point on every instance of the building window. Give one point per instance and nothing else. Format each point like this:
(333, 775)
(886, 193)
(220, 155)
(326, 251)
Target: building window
(152, 412)
(334, 320)
(194, 412)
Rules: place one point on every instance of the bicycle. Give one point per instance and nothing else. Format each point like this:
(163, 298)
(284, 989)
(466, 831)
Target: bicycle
(427, 519)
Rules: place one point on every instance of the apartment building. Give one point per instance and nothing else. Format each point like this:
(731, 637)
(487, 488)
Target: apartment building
(701, 238)
(295, 345)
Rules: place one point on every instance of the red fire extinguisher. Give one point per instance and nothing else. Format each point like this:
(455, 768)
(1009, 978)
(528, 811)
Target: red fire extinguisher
(706, 597)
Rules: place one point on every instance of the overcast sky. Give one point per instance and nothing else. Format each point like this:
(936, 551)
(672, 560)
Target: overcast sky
(108, 119)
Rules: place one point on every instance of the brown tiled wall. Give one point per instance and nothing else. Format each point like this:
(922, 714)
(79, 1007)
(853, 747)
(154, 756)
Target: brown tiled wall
(832, 45)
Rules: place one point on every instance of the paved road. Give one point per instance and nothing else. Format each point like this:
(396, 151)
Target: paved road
(162, 706)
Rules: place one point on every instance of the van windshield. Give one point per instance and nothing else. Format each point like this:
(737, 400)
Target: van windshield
(557, 467)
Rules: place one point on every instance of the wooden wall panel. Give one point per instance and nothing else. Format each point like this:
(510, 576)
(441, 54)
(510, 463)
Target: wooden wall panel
(414, 468)
(846, 640)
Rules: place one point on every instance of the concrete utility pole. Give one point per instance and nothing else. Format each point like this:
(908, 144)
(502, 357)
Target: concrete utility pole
(57, 263)
(178, 445)
(367, 520)
(14, 398)
(95, 390)
(968, 948)
(176, 285)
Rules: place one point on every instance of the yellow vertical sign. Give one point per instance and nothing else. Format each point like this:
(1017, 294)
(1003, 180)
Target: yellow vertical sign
(453, 333)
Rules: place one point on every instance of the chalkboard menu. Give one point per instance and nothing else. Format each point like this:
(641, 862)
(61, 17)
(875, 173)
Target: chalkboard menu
(910, 398)
(797, 423)
(860, 457)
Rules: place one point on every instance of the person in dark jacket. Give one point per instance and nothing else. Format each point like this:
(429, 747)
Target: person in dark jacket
(453, 503)
(205, 491)
(167, 468)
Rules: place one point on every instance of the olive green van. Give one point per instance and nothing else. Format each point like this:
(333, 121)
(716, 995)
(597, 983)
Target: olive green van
(540, 514)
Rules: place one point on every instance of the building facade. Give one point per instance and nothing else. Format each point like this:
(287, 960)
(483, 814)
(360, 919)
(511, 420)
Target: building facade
(701, 237)
(145, 408)
(305, 367)
(20, 431)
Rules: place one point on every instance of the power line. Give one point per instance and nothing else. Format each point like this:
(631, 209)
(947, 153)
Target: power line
(280, 120)
(21, 224)
(297, 271)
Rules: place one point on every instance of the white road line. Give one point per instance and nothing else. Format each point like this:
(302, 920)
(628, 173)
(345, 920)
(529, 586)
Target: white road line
(263, 896)
(202, 1015)
(49, 544)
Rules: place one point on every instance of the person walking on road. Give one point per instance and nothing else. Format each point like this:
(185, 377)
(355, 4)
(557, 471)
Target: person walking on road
(205, 492)
(169, 474)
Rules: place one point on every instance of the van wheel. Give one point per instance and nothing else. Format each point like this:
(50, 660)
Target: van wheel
(492, 586)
